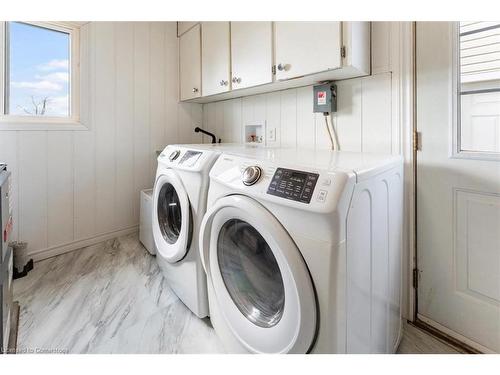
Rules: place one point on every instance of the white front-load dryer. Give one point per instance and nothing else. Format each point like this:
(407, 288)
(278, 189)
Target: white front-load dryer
(302, 251)
(179, 203)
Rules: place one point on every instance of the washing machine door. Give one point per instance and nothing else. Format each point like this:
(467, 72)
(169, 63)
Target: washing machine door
(261, 282)
(172, 220)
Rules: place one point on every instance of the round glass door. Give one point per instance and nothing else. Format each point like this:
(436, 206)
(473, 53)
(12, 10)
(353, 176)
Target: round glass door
(251, 273)
(172, 217)
(169, 213)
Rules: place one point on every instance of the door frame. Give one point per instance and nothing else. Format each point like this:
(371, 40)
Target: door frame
(402, 68)
(410, 147)
(403, 72)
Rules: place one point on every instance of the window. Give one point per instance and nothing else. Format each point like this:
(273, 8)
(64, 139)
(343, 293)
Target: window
(479, 88)
(40, 73)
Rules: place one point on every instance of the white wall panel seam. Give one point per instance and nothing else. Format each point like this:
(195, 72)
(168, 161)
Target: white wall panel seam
(94, 58)
(164, 107)
(115, 203)
(47, 210)
(361, 114)
(134, 178)
(149, 100)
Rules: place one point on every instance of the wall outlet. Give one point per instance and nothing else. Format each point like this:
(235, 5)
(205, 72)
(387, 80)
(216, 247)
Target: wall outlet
(271, 135)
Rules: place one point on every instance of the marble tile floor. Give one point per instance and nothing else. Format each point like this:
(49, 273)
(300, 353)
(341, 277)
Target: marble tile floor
(111, 298)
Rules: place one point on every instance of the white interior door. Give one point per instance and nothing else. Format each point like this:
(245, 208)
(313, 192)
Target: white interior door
(306, 47)
(215, 57)
(251, 54)
(190, 63)
(458, 181)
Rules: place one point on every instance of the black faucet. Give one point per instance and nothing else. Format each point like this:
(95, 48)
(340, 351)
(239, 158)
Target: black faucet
(200, 130)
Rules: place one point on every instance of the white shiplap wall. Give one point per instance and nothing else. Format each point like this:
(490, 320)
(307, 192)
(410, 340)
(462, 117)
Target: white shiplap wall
(72, 188)
(367, 117)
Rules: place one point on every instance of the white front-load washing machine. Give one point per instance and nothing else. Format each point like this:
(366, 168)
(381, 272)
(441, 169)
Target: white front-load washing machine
(179, 203)
(302, 251)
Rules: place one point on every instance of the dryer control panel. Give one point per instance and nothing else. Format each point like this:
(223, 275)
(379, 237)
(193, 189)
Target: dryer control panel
(292, 184)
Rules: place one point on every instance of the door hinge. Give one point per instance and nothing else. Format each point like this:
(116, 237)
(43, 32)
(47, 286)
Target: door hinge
(273, 69)
(343, 52)
(417, 141)
(415, 278)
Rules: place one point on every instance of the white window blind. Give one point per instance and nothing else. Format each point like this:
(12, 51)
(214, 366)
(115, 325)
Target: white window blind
(479, 52)
(479, 88)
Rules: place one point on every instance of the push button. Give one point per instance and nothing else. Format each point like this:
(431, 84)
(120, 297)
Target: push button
(326, 182)
(322, 195)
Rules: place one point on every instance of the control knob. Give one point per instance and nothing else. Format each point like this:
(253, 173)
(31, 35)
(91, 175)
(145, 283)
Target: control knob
(174, 155)
(251, 175)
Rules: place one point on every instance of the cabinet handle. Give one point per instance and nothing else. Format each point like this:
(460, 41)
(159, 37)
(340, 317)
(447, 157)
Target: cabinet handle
(236, 80)
(281, 67)
(195, 89)
(223, 83)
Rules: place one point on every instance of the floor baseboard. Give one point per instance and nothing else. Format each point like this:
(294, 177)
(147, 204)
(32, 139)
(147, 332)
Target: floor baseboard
(50, 252)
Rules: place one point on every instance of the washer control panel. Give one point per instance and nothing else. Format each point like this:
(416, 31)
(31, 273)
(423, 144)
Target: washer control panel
(292, 184)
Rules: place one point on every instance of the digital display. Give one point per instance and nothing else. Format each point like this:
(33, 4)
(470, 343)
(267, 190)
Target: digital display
(298, 177)
(190, 158)
(294, 185)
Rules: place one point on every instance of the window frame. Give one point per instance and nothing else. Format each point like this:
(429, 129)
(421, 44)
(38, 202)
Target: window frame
(456, 81)
(72, 122)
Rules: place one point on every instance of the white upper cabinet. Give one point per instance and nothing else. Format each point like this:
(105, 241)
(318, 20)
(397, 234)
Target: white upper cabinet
(190, 64)
(215, 58)
(234, 59)
(303, 48)
(251, 54)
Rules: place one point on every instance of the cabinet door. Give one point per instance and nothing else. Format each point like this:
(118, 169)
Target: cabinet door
(306, 47)
(190, 64)
(251, 53)
(215, 57)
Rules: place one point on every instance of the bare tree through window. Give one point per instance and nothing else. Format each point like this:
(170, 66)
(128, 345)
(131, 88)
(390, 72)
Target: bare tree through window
(39, 107)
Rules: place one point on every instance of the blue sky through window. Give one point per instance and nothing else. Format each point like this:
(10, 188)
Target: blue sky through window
(38, 71)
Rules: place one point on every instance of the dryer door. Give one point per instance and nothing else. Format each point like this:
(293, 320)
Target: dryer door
(172, 221)
(259, 277)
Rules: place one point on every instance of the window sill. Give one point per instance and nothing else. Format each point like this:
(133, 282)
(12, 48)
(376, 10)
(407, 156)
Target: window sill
(41, 124)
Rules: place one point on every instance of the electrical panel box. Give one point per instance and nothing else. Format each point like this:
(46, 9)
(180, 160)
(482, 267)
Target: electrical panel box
(325, 98)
